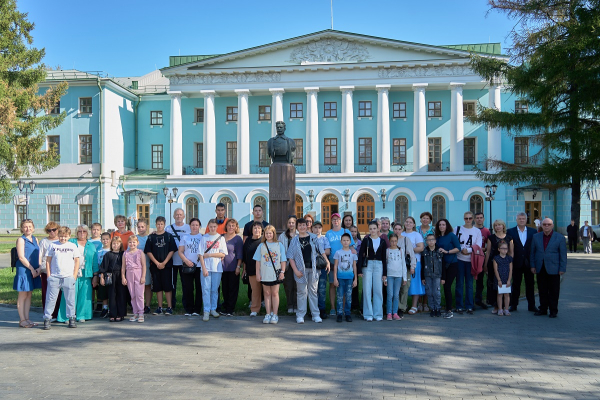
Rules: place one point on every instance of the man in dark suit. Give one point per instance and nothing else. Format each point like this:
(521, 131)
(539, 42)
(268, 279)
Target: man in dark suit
(549, 262)
(522, 236)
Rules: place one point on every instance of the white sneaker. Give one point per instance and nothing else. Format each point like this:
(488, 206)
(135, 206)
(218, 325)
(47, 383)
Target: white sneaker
(187, 315)
(378, 319)
(317, 319)
(214, 313)
(299, 320)
(267, 319)
(195, 314)
(253, 314)
(290, 310)
(274, 319)
(206, 316)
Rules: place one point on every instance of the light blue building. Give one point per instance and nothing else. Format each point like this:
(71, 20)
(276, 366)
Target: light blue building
(378, 123)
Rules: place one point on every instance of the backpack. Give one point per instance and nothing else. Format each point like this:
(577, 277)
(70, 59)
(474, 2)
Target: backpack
(13, 259)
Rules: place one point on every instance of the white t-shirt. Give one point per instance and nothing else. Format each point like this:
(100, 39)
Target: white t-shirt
(63, 256)
(376, 243)
(537, 223)
(468, 237)
(396, 266)
(585, 231)
(81, 256)
(415, 238)
(345, 267)
(213, 264)
(44, 247)
(181, 231)
(192, 247)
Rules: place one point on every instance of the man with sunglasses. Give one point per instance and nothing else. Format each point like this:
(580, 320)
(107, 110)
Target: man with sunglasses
(468, 236)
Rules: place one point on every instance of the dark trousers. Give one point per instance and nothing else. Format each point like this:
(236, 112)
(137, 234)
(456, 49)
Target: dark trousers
(518, 275)
(192, 301)
(492, 288)
(451, 273)
(176, 271)
(44, 289)
(117, 298)
(355, 299)
(573, 244)
(479, 287)
(549, 288)
(230, 284)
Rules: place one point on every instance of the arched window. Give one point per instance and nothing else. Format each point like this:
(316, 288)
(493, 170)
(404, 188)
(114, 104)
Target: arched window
(191, 208)
(401, 209)
(438, 208)
(329, 205)
(365, 211)
(476, 204)
(261, 201)
(228, 206)
(299, 206)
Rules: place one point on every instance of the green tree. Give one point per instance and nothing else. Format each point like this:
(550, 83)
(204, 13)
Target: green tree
(555, 67)
(24, 114)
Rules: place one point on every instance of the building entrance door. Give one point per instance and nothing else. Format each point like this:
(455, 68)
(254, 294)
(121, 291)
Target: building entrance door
(329, 205)
(365, 212)
(533, 209)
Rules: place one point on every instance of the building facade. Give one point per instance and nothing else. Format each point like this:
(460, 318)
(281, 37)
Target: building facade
(379, 126)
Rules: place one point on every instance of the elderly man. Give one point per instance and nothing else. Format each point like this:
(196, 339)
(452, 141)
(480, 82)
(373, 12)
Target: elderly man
(522, 237)
(549, 262)
(586, 235)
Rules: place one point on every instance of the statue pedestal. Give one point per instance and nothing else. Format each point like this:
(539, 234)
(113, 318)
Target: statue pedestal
(282, 194)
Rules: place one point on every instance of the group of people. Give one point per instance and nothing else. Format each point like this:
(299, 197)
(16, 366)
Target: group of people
(585, 234)
(395, 261)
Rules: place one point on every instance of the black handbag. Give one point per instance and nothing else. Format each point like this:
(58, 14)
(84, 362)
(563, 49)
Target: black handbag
(245, 278)
(321, 262)
(277, 270)
(108, 279)
(407, 259)
(365, 261)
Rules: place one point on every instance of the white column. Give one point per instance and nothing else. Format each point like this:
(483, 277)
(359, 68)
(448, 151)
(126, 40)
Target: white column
(312, 131)
(176, 134)
(457, 128)
(494, 150)
(276, 109)
(383, 128)
(209, 133)
(243, 133)
(420, 160)
(347, 148)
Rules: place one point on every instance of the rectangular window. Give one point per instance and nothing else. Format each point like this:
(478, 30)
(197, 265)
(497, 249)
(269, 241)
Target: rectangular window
(56, 109)
(469, 154)
(434, 109)
(199, 115)
(85, 214)
(199, 155)
(595, 212)
(364, 109)
(143, 211)
(435, 154)
(21, 214)
(364, 151)
(232, 113)
(330, 152)
(54, 213)
(85, 105)
(54, 142)
(156, 118)
(299, 153)
(157, 156)
(264, 113)
(330, 110)
(521, 150)
(469, 108)
(399, 110)
(232, 157)
(85, 149)
(521, 107)
(399, 152)
(296, 110)
(263, 156)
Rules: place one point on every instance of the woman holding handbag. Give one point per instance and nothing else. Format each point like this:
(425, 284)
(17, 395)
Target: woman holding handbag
(450, 246)
(189, 250)
(270, 269)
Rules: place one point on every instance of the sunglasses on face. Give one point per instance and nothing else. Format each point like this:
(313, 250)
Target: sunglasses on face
(468, 218)
(52, 230)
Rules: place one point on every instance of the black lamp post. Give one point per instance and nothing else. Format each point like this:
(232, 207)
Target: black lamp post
(383, 196)
(490, 191)
(170, 198)
(28, 187)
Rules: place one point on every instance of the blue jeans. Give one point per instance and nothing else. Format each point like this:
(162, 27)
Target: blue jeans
(393, 293)
(210, 290)
(67, 285)
(464, 277)
(344, 289)
(322, 289)
(373, 285)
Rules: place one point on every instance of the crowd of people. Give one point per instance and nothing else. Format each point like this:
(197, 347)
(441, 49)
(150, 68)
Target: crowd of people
(395, 261)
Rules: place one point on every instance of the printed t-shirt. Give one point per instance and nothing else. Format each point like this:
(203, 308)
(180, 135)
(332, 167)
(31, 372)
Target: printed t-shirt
(191, 244)
(213, 264)
(160, 246)
(395, 263)
(346, 259)
(267, 273)
(63, 259)
(335, 241)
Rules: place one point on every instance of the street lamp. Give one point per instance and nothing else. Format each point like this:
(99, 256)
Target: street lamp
(170, 198)
(383, 196)
(347, 196)
(311, 197)
(490, 191)
(28, 187)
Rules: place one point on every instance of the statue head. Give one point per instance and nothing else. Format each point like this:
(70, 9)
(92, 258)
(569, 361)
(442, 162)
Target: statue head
(280, 126)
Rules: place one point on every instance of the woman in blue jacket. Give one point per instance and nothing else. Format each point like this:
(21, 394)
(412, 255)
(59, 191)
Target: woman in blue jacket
(449, 245)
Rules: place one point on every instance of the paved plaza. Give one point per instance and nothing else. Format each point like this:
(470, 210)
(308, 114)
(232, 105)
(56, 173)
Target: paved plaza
(470, 357)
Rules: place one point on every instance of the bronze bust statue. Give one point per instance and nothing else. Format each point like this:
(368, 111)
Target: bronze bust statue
(281, 148)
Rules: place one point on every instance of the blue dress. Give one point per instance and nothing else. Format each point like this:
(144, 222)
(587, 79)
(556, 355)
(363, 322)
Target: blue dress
(503, 269)
(24, 281)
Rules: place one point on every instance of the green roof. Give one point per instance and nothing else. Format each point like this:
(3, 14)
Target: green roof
(178, 60)
(149, 172)
(486, 48)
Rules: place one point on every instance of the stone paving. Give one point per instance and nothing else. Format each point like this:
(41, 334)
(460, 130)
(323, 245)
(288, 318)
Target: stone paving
(480, 356)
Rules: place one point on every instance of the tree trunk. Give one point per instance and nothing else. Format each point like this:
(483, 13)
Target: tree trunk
(575, 198)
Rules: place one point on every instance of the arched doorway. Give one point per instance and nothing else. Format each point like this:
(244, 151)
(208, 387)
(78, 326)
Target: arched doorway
(401, 209)
(365, 212)
(329, 205)
(299, 206)
(476, 204)
(191, 208)
(228, 206)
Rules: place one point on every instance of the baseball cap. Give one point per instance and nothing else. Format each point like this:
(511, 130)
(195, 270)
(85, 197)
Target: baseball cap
(317, 223)
(334, 215)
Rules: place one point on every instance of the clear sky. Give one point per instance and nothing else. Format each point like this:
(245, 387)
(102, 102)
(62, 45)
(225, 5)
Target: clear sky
(133, 37)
